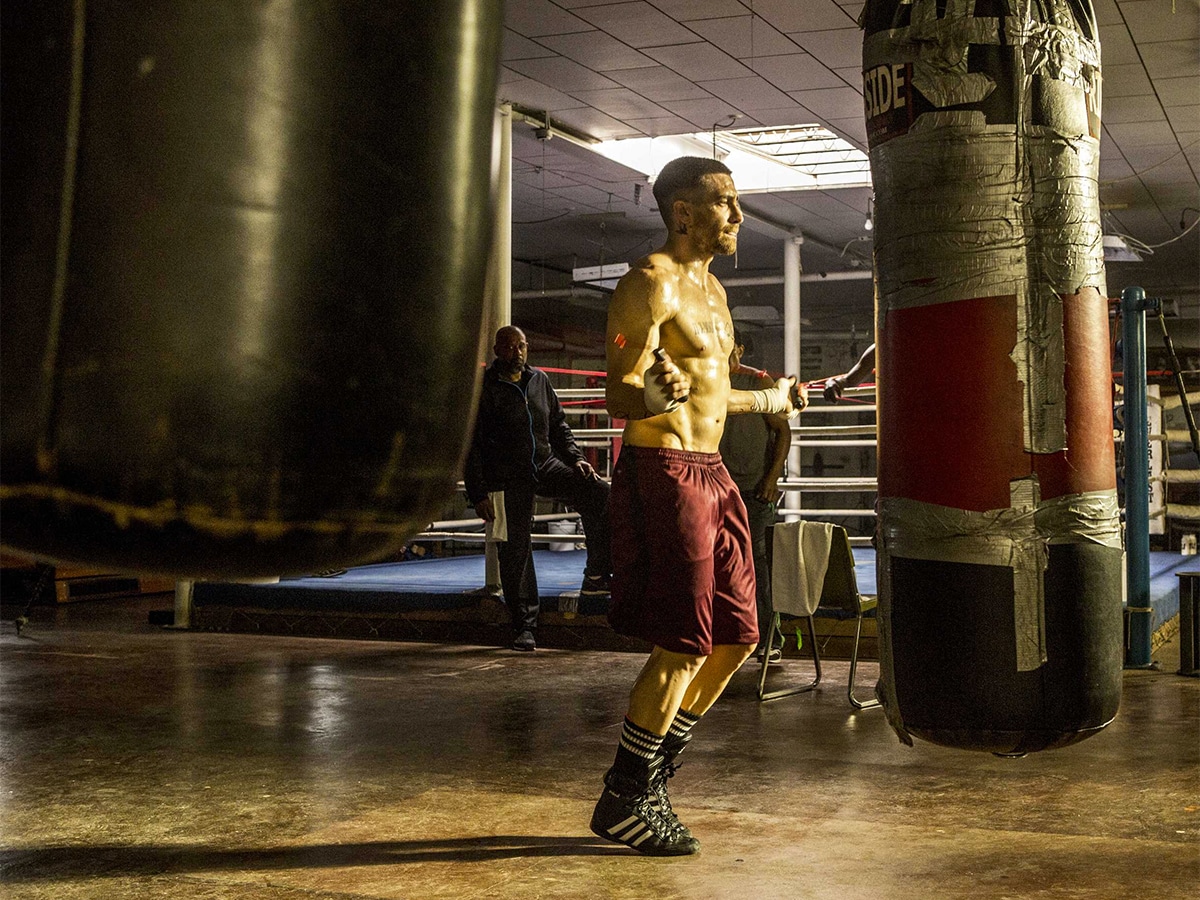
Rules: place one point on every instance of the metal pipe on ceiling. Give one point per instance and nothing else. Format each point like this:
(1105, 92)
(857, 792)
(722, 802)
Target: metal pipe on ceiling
(808, 278)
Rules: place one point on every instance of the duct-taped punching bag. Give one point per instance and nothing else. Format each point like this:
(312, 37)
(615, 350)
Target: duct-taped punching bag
(998, 535)
(244, 255)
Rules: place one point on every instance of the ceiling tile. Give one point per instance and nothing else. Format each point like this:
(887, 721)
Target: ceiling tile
(1177, 91)
(841, 49)
(621, 103)
(1124, 110)
(1173, 179)
(748, 93)
(662, 125)
(1184, 119)
(659, 83)
(831, 103)
(1172, 59)
(1117, 47)
(699, 61)
(811, 15)
(533, 18)
(1126, 81)
(796, 72)
(517, 47)
(1151, 21)
(597, 124)
(792, 114)
(1113, 166)
(638, 24)
(1191, 149)
(853, 9)
(687, 10)
(596, 50)
(580, 4)
(534, 94)
(1141, 134)
(854, 130)
(852, 77)
(1107, 12)
(705, 113)
(745, 37)
(564, 74)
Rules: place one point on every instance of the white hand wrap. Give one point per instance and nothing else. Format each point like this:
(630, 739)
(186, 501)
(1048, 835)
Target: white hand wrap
(772, 401)
(654, 395)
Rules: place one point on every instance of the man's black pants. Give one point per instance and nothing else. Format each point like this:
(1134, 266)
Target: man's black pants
(587, 496)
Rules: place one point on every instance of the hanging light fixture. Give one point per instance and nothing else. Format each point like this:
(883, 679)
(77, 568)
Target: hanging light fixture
(869, 223)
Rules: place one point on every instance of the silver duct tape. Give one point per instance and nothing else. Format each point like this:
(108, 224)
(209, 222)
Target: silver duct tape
(942, 42)
(1041, 366)
(1029, 560)
(937, 48)
(1021, 216)
(973, 224)
(1017, 537)
(1093, 516)
(886, 689)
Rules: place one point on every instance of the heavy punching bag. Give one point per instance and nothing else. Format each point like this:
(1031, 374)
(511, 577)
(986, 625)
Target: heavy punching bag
(998, 535)
(244, 253)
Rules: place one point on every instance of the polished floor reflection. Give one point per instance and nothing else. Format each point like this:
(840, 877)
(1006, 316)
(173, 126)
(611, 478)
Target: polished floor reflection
(140, 762)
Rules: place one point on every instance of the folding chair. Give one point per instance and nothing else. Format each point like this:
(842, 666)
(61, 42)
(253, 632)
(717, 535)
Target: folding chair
(838, 597)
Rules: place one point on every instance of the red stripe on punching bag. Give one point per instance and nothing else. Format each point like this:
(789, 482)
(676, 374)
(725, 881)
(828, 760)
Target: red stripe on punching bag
(952, 430)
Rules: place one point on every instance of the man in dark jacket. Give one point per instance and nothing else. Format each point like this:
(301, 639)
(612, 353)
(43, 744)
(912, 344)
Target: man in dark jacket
(523, 447)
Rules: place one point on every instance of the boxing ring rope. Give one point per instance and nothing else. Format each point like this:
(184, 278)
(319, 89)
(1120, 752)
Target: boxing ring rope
(590, 401)
(579, 402)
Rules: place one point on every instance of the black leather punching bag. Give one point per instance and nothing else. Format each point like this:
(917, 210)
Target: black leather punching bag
(999, 539)
(244, 253)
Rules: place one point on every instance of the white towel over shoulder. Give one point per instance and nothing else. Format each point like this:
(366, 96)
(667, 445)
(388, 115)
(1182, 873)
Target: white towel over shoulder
(800, 558)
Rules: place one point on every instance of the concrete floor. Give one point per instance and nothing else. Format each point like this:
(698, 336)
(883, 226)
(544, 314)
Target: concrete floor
(138, 762)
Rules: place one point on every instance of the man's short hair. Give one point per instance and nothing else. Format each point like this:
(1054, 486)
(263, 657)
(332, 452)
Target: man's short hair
(680, 176)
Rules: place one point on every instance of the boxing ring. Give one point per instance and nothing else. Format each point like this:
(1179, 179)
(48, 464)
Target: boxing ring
(445, 598)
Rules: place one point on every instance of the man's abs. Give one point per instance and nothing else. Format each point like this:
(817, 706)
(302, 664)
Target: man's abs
(687, 428)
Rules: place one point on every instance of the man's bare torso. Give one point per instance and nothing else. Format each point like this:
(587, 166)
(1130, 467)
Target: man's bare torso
(690, 309)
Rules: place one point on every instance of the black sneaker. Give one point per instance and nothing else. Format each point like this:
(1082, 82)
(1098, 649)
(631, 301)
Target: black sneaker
(774, 656)
(525, 641)
(329, 573)
(634, 822)
(595, 586)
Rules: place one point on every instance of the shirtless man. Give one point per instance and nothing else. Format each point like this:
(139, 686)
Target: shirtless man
(683, 571)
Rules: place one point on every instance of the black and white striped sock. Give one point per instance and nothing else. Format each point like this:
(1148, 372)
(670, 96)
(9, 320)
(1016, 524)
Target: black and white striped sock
(639, 741)
(681, 725)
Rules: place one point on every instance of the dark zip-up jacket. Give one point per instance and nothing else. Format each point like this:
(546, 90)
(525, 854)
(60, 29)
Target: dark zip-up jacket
(520, 424)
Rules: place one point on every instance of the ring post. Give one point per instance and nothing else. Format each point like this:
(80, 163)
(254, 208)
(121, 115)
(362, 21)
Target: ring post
(1137, 478)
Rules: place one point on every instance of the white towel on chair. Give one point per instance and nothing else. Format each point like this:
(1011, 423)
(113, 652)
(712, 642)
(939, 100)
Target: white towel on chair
(800, 558)
(497, 529)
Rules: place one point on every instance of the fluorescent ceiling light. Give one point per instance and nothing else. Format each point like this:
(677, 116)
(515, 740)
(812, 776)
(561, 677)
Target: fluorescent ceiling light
(1116, 250)
(795, 158)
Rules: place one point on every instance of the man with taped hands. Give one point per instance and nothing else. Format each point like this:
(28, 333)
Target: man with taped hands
(755, 451)
(836, 386)
(522, 447)
(683, 573)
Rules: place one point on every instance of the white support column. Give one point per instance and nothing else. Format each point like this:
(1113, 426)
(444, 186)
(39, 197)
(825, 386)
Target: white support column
(792, 270)
(502, 243)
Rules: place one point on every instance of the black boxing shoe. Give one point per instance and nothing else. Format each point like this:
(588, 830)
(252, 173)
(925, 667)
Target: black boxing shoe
(671, 748)
(626, 814)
